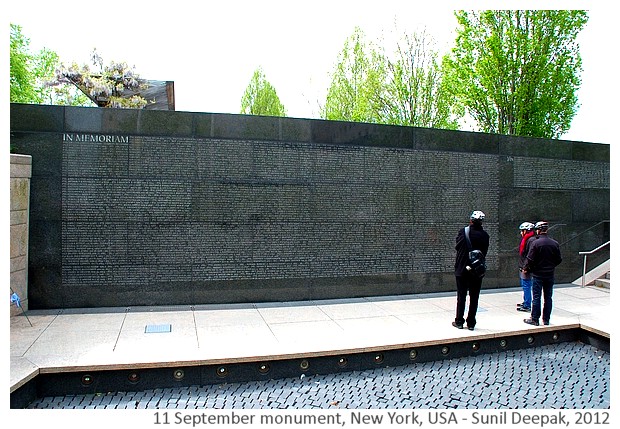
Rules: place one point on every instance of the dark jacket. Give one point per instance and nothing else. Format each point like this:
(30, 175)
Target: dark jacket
(543, 256)
(479, 241)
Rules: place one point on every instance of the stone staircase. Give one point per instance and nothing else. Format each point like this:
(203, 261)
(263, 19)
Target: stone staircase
(603, 281)
(598, 276)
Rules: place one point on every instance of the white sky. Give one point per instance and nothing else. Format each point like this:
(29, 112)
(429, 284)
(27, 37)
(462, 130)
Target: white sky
(210, 49)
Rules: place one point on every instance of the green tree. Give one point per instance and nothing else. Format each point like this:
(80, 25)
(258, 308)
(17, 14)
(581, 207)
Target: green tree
(415, 93)
(40, 78)
(408, 89)
(358, 82)
(260, 97)
(28, 71)
(517, 71)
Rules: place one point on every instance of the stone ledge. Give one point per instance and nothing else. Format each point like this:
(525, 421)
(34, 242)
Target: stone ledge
(21, 159)
(21, 166)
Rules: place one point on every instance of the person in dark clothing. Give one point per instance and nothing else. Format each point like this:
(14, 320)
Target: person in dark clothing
(467, 281)
(542, 258)
(525, 277)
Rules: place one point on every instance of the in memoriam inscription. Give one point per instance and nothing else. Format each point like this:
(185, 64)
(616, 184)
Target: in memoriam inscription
(95, 138)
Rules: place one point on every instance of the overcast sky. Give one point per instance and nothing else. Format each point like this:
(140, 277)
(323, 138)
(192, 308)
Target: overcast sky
(210, 49)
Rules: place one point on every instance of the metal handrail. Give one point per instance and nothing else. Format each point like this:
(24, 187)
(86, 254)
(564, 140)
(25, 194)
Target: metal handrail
(582, 232)
(585, 258)
(562, 243)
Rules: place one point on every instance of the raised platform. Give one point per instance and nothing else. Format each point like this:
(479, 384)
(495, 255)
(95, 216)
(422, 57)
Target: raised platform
(85, 351)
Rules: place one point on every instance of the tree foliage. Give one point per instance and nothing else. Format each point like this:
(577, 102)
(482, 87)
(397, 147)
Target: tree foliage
(40, 78)
(357, 82)
(260, 97)
(416, 94)
(405, 88)
(29, 71)
(115, 86)
(517, 71)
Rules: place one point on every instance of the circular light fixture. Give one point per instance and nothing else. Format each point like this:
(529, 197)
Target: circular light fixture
(342, 362)
(222, 371)
(445, 350)
(475, 346)
(178, 374)
(413, 354)
(556, 336)
(503, 343)
(304, 365)
(263, 368)
(379, 358)
(530, 340)
(133, 377)
(87, 380)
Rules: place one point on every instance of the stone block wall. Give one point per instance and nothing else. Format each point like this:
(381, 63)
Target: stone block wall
(21, 170)
(135, 207)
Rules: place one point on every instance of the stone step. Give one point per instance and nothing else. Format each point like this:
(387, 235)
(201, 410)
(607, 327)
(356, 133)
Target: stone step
(602, 282)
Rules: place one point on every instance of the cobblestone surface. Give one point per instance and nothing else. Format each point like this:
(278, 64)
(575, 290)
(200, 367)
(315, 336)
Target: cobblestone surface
(565, 375)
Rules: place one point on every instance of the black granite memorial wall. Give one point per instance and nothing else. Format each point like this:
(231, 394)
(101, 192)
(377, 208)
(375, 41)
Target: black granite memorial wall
(136, 207)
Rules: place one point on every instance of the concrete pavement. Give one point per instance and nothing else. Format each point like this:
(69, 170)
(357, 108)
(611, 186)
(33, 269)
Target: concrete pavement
(69, 340)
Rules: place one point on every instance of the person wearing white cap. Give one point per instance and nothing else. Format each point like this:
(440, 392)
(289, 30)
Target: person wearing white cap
(542, 258)
(525, 277)
(466, 280)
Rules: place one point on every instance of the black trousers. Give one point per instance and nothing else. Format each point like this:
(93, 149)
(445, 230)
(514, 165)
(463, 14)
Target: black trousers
(464, 285)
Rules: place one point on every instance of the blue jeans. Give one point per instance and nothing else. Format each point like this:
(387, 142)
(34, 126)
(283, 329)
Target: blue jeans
(542, 287)
(526, 285)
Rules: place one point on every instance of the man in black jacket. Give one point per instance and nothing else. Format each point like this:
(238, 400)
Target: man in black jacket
(542, 258)
(467, 280)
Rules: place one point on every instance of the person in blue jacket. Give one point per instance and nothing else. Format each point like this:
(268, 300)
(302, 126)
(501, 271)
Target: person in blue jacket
(466, 280)
(542, 258)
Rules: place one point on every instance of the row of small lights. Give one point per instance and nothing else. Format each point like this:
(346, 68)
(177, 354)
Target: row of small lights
(304, 364)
